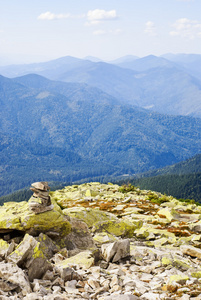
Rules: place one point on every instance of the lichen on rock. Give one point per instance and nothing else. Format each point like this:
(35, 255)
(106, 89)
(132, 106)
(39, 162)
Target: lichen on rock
(17, 216)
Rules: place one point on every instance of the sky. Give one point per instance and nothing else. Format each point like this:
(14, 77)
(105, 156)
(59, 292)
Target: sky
(41, 30)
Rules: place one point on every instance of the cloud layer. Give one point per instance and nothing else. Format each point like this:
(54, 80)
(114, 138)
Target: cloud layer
(98, 15)
(186, 28)
(51, 16)
(150, 28)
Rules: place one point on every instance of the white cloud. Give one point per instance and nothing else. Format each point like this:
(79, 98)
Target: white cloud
(51, 16)
(186, 28)
(150, 28)
(97, 15)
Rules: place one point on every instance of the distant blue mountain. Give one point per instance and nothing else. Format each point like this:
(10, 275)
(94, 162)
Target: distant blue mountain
(59, 131)
(92, 58)
(146, 63)
(190, 63)
(169, 86)
(124, 59)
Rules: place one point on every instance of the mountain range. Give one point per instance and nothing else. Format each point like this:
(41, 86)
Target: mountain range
(71, 118)
(170, 84)
(66, 131)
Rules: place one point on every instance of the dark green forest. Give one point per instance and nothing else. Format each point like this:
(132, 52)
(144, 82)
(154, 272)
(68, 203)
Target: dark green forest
(186, 186)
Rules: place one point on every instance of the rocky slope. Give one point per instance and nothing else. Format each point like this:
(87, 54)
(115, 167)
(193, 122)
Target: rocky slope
(101, 241)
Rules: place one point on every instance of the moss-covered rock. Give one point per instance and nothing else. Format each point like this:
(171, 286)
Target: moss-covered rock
(123, 227)
(181, 279)
(104, 237)
(84, 259)
(89, 215)
(5, 248)
(147, 232)
(166, 261)
(29, 255)
(169, 214)
(17, 216)
(80, 237)
(196, 274)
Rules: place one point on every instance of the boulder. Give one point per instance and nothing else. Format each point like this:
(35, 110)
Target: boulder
(89, 215)
(180, 279)
(28, 255)
(67, 273)
(47, 245)
(5, 248)
(115, 251)
(169, 213)
(196, 227)
(79, 237)
(103, 237)
(14, 277)
(122, 227)
(84, 259)
(190, 250)
(17, 216)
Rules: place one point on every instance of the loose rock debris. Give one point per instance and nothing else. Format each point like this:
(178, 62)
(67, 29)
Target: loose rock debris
(98, 242)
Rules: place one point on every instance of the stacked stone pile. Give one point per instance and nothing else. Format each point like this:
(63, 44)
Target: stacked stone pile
(101, 242)
(41, 191)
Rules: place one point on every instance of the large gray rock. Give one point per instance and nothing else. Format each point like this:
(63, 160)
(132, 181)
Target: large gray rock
(79, 237)
(115, 251)
(17, 216)
(14, 277)
(5, 248)
(48, 247)
(28, 255)
(190, 250)
(68, 274)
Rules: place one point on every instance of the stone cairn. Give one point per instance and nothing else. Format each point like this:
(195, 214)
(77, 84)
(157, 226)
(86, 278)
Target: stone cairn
(41, 201)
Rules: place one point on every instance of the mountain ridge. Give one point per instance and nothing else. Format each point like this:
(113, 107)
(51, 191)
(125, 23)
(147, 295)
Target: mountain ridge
(157, 84)
(59, 136)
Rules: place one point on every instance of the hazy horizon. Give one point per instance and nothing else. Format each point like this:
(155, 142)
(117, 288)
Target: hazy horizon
(35, 32)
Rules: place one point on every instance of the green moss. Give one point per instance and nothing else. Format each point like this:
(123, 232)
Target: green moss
(3, 245)
(89, 216)
(83, 259)
(16, 215)
(104, 237)
(196, 274)
(181, 264)
(181, 279)
(37, 252)
(166, 261)
(123, 228)
(127, 188)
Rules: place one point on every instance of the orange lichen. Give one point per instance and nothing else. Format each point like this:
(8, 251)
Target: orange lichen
(178, 231)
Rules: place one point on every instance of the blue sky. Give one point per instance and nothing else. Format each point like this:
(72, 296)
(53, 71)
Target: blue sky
(41, 30)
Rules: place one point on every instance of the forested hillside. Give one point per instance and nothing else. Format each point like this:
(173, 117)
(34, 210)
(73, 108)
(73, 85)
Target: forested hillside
(186, 186)
(66, 132)
(181, 180)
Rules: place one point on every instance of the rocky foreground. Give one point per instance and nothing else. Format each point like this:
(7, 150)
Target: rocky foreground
(100, 241)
